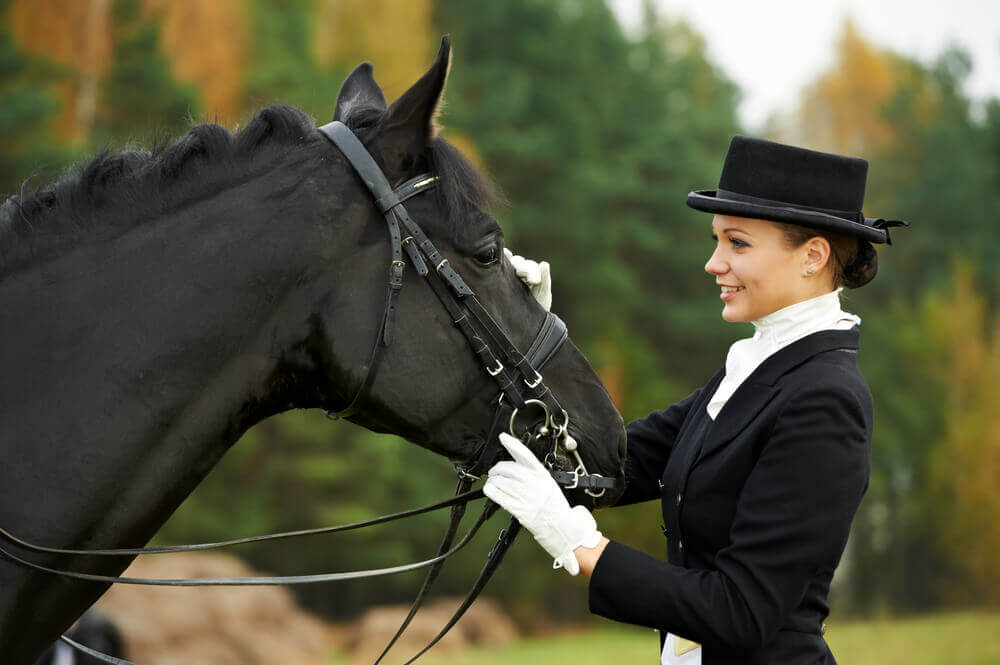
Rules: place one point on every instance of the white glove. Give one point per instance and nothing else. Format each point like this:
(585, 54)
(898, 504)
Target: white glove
(525, 489)
(536, 275)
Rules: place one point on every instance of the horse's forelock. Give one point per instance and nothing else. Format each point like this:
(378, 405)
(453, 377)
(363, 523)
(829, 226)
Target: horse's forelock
(462, 189)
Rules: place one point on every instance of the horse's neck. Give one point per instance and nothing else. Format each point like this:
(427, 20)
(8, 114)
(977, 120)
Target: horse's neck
(130, 365)
(141, 358)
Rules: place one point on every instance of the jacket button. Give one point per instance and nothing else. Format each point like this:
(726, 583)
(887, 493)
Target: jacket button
(663, 529)
(680, 545)
(822, 628)
(678, 498)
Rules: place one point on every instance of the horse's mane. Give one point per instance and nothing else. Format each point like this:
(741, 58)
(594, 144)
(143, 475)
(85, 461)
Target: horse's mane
(117, 191)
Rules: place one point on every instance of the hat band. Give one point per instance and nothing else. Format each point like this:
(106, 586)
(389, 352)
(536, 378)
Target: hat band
(849, 215)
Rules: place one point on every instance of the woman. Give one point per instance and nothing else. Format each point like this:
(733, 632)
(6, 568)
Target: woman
(761, 471)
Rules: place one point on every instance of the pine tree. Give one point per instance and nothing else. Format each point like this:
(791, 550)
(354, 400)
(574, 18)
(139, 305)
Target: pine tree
(27, 110)
(140, 97)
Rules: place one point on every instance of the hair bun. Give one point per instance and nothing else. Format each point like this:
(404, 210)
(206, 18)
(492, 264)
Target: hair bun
(863, 268)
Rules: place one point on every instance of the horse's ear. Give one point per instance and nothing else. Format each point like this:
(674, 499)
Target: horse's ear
(359, 91)
(409, 124)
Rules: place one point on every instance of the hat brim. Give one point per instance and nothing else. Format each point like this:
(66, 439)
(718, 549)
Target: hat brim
(707, 200)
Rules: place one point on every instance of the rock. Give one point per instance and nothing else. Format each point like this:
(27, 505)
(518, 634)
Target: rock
(212, 625)
(483, 624)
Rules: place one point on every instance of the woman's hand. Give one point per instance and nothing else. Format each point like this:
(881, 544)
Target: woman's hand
(536, 275)
(526, 490)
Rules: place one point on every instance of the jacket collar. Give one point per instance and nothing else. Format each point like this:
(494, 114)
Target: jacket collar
(759, 388)
(798, 352)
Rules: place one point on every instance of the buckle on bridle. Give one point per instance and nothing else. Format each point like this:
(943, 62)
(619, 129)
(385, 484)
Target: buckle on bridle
(465, 475)
(493, 371)
(534, 384)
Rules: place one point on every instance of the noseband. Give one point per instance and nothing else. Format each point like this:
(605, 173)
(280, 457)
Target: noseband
(522, 391)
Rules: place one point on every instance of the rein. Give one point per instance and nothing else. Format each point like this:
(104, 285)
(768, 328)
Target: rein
(521, 390)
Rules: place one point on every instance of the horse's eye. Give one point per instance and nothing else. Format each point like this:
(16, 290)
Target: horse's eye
(488, 257)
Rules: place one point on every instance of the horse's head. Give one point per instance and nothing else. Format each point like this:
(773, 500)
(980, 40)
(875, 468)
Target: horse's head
(430, 387)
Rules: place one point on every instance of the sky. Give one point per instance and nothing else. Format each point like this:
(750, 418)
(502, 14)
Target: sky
(773, 48)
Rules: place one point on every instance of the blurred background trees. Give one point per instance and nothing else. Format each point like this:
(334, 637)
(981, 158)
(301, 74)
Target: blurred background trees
(596, 136)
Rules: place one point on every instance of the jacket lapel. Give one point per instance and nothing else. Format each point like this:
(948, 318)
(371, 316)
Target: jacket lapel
(761, 386)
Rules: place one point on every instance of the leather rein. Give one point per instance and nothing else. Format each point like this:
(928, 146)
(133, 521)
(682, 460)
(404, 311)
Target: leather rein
(521, 390)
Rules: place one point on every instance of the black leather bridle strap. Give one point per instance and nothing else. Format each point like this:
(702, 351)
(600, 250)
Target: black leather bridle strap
(387, 200)
(583, 481)
(457, 511)
(82, 648)
(496, 555)
(262, 580)
(548, 340)
(459, 499)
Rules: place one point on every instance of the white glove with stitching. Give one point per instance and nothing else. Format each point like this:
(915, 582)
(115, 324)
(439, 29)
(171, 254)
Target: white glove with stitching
(525, 489)
(536, 275)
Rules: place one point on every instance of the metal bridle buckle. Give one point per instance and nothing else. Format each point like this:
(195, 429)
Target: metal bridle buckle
(534, 384)
(462, 473)
(493, 371)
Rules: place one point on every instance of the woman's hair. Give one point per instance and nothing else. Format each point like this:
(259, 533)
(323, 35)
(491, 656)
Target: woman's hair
(854, 260)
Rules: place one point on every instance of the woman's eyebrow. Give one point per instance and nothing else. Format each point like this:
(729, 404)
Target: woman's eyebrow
(731, 229)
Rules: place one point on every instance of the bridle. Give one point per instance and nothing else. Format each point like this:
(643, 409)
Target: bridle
(521, 385)
(521, 389)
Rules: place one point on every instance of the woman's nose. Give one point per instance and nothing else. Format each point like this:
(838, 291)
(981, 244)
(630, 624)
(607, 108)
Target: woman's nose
(715, 265)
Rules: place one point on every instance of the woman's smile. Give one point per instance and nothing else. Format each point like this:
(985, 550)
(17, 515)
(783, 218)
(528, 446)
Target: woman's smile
(729, 292)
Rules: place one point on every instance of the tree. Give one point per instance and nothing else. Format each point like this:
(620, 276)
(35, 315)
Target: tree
(841, 111)
(207, 45)
(965, 467)
(76, 35)
(140, 95)
(394, 35)
(28, 108)
(282, 67)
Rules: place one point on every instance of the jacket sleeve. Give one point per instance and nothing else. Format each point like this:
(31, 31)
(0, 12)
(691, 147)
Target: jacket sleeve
(649, 443)
(791, 522)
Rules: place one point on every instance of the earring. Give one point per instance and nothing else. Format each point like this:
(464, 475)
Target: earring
(810, 271)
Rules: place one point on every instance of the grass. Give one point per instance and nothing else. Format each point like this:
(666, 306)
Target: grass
(962, 638)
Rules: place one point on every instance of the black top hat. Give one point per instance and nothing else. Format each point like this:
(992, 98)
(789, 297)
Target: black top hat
(783, 183)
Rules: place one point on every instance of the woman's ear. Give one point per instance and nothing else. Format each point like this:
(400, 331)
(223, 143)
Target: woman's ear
(817, 255)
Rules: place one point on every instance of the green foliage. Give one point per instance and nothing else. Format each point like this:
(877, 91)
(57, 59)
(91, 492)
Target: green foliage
(941, 174)
(140, 98)
(27, 108)
(597, 139)
(282, 66)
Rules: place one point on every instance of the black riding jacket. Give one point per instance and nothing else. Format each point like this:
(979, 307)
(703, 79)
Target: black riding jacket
(757, 507)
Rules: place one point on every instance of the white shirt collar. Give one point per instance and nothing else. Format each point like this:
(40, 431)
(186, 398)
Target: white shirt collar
(774, 332)
(794, 322)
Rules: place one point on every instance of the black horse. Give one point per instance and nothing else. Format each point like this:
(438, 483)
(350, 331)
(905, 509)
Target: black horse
(157, 305)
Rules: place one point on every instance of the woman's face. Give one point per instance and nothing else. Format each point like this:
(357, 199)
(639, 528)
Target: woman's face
(755, 270)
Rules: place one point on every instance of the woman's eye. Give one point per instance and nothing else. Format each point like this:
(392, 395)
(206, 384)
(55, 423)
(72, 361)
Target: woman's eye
(488, 256)
(737, 243)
